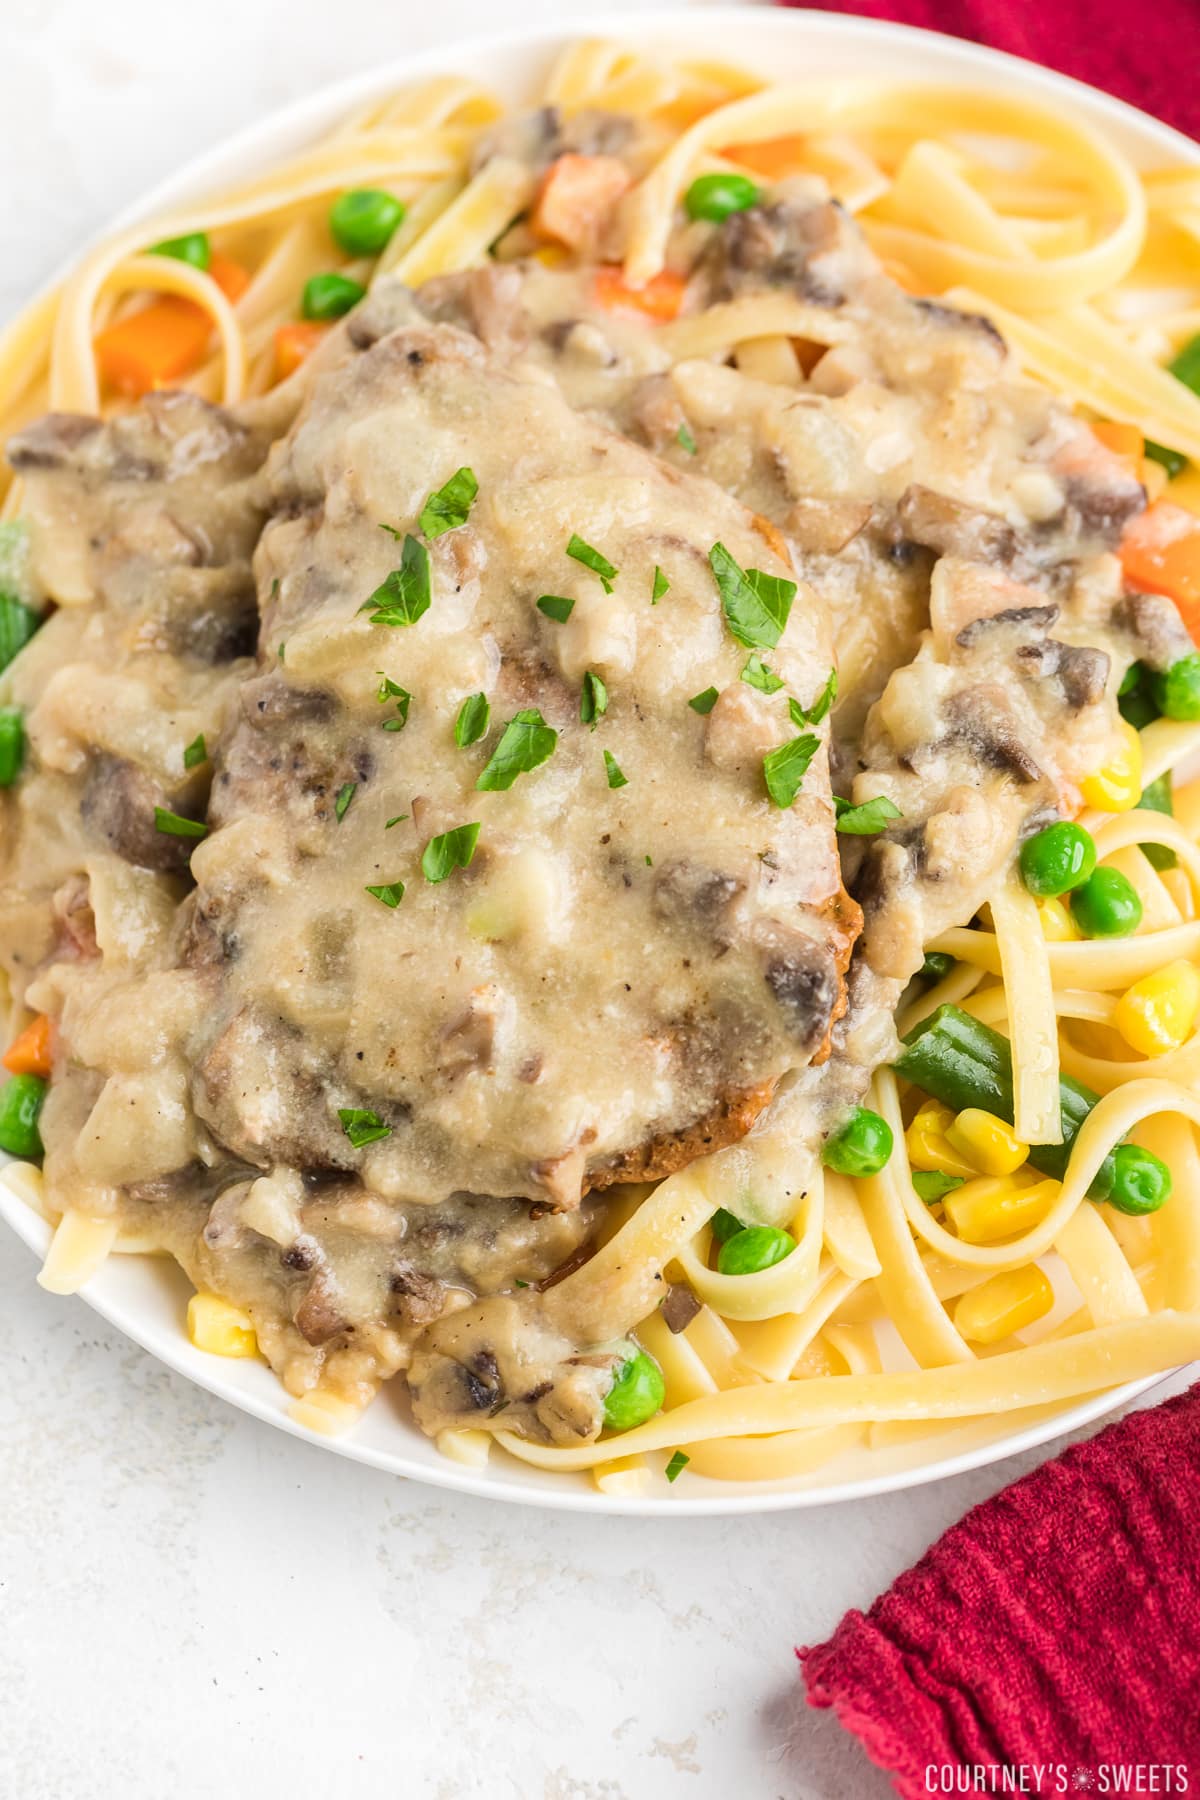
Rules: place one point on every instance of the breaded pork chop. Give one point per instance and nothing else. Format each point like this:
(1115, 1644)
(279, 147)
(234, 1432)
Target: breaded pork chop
(610, 943)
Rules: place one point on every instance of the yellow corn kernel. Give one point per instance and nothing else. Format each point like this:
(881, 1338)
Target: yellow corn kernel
(928, 1146)
(1153, 477)
(999, 1206)
(1004, 1304)
(1058, 925)
(553, 256)
(986, 1142)
(1117, 786)
(1158, 1013)
(220, 1328)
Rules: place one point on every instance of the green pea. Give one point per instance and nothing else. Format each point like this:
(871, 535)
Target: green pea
(193, 248)
(716, 196)
(1129, 680)
(363, 220)
(1107, 906)
(330, 296)
(725, 1225)
(1177, 693)
(937, 965)
(756, 1248)
(1057, 859)
(637, 1393)
(12, 744)
(1141, 1183)
(20, 1103)
(861, 1146)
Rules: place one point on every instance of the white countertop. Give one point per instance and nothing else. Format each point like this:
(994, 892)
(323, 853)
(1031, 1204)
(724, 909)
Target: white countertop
(194, 1605)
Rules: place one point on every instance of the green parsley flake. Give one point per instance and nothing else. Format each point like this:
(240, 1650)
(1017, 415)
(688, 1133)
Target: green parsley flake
(449, 506)
(704, 703)
(345, 795)
(931, 1185)
(173, 825)
(362, 1126)
(391, 690)
(556, 606)
(404, 596)
(820, 706)
(18, 623)
(677, 1465)
(196, 753)
(472, 720)
(612, 769)
(593, 700)
(451, 850)
(784, 769)
(390, 892)
(756, 605)
(399, 818)
(684, 438)
(872, 817)
(758, 675)
(661, 586)
(525, 743)
(593, 560)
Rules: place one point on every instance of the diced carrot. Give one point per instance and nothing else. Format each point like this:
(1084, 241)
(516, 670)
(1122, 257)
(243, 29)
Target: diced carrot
(1126, 440)
(772, 158)
(660, 299)
(154, 347)
(32, 1052)
(576, 196)
(1160, 553)
(230, 276)
(293, 342)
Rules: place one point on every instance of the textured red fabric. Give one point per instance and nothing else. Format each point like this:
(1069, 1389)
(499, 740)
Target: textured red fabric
(1056, 1626)
(1149, 55)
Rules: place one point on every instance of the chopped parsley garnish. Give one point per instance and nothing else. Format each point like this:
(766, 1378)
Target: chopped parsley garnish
(517, 1282)
(391, 690)
(345, 795)
(451, 850)
(758, 675)
(661, 586)
(173, 825)
(396, 821)
(593, 560)
(820, 706)
(556, 606)
(449, 506)
(281, 649)
(18, 623)
(362, 1126)
(756, 605)
(704, 703)
(677, 1465)
(196, 753)
(612, 769)
(472, 720)
(525, 743)
(684, 438)
(784, 769)
(931, 1185)
(593, 700)
(390, 892)
(404, 596)
(866, 820)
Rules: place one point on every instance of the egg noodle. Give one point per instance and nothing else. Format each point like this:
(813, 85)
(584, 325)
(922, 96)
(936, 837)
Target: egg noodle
(1091, 269)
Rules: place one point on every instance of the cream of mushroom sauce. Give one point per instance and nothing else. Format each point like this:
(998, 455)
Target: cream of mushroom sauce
(621, 975)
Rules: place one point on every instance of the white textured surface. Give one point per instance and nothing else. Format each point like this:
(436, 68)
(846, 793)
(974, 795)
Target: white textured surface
(193, 1605)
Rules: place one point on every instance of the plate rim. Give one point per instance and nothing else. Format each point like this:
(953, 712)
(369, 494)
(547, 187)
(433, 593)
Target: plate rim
(264, 139)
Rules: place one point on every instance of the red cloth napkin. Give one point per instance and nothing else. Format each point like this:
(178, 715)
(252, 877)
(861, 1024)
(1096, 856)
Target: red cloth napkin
(1055, 1630)
(1147, 54)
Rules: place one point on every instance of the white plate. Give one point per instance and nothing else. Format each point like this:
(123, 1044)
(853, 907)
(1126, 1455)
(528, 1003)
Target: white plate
(145, 1297)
